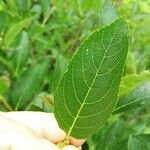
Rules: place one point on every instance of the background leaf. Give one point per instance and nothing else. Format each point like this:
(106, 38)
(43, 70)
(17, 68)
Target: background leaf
(87, 93)
(46, 7)
(3, 20)
(136, 98)
(130, 67)
(21, 54)
(108, 13)
(4, 84)
(30, 81)
(128, 83)
(60, 68)
(23, 6)
(15, 30)
(43, 102)
(115, 133)
(139, 142)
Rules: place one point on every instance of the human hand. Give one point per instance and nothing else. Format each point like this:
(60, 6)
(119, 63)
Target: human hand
(32, 131)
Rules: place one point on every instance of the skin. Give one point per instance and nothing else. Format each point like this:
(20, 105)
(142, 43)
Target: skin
(32, 130)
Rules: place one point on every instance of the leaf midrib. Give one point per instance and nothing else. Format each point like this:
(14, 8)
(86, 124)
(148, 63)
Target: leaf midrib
(70, 130)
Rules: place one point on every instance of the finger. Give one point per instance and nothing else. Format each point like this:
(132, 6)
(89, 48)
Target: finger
(24, 143)
(51, 130)
(4, 145)
(70, 147)
(16, 136)
(76, 142)
(44, 124)
(34, 145)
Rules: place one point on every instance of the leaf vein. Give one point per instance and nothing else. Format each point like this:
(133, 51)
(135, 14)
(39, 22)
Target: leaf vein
(74, 89)
(65, 102)
(83, 72)
(105, 93)
(98, 112)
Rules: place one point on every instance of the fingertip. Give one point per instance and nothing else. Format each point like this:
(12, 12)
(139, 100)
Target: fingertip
(69, 147)
(51, 130)
(76, 142)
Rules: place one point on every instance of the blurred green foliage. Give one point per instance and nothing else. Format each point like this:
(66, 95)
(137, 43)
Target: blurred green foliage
(37, 40)
(32, 31)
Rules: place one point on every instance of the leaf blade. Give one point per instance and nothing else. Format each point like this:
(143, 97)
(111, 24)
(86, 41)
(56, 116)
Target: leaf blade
(26, 85)
(128, 83)
(15, 30)
(136, 98)
(20, 56)
(108, 13)
(139, 142)
(83, 77)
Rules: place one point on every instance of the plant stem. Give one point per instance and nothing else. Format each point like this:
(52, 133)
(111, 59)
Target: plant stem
(63, 143)
(5, 103)
(80, 8)
(49, 14)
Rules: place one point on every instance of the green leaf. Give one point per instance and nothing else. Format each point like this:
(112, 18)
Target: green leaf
(45, 7)
(136, 98)
(5, 63)
(60, 68)
(108, 13)
(4, 106)
(29, 82)
(23, 6)
(3, 20)
(34, 107)
(130, 64)
(4, 84)
(116, 132)
(139, 142)
(87, 93)
(123, 144)
(20, 56)
(128, 83)
(44, 102)
(14, 30)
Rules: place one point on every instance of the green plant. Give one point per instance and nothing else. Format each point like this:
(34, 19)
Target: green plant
(87, 92)
(38, 40)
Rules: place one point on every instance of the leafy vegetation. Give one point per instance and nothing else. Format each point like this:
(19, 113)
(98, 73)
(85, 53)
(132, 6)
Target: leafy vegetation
(39, 39)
